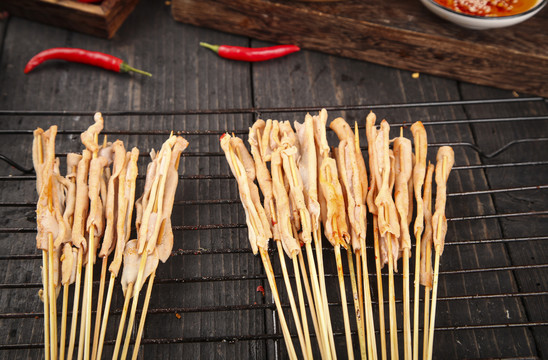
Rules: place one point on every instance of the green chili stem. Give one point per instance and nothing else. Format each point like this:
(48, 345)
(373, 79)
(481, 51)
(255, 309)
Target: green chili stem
(214, 48)
(126, 68)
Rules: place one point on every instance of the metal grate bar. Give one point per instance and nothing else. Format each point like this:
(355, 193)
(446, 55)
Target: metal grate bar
(26, 205)
(258, 110)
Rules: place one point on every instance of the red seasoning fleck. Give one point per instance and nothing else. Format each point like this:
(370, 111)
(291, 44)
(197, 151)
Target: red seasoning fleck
(260, 289)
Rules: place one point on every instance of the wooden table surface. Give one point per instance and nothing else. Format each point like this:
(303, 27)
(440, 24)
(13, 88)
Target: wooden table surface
(212, 278)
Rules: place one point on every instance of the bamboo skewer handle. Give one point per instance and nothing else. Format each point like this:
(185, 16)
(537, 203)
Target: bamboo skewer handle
(416, 298)
(323, 291)
(272, 282)
(394, 353)
(74, 322)
(89, 289)
(136, 290)
(433, 311)
(52, 301)
(408, 351)
(302, 308)
(129, 291)
(64, 322)
(83, 318)
(105, 316)
(99, 308)
(294, 310)
(45, 297)
(357, 308)
(313, 308)
(348, 335)
(143, 316)
(382, 326)
(322, 331)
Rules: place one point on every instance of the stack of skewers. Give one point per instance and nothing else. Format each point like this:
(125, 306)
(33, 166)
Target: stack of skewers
(305, 185)
(87, 215)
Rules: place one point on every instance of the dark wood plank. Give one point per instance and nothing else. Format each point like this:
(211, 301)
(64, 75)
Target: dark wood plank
(101, 20)
(493, 136)
(402, 34)
(185, 77)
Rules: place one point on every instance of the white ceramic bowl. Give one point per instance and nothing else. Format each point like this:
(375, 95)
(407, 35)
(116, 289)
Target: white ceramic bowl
(481, 22)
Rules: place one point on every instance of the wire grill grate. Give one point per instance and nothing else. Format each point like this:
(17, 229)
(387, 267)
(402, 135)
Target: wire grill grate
(476, 160)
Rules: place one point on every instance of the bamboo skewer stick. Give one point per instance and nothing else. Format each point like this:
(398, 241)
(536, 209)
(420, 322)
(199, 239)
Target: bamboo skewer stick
(291, 297)
(370, 324)
(122, 324)
(136, 290)
(416, 296)
(321, 277)
(83, 317)
(45, 282)
(343, 300)
(359, 279)
(143, 316)
(105, 316)
(426, 331)
(394, 354)
(357, 308)
(320, 311)
(302, 308)
(99, 308)
(45, 297)
(272, 282)
(64, 322)
(89, 290)
(316, 321)
(382, 326)
(433, 311)
(74, 320)
(52, 301)
(408, 352)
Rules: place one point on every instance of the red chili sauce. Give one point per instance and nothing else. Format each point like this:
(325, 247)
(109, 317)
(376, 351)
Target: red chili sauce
(488, 7)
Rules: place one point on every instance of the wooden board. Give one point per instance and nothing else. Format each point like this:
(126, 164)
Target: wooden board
(101, 20)
(399, 33)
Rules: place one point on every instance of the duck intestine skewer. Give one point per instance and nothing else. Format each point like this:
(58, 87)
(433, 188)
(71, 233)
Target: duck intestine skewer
(419, 170)
(426, 271)
(256, 233)
(403, 168)
(308, 169)
(389, 229)
(444, 163)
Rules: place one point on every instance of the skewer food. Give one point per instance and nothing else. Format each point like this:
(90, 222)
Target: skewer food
(304, 183)
(94, 202)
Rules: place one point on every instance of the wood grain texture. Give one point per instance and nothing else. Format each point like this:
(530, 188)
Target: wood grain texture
(186, 76)
(102, 20)
(401, 34)
(492, 136)
(182, 79)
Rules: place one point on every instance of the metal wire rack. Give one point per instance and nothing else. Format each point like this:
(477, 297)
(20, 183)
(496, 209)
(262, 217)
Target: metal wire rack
(493, 292)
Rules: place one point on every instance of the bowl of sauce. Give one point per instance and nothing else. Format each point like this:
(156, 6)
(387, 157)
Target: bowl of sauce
(485, 14)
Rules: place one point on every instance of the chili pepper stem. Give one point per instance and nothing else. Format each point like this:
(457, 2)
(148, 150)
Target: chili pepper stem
(124, 67)
(214, 48)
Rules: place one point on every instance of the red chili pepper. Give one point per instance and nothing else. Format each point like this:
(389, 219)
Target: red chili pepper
(94, 58)
(251, 54)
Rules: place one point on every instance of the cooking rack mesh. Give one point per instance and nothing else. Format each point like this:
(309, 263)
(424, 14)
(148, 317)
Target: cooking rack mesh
(205, 302)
